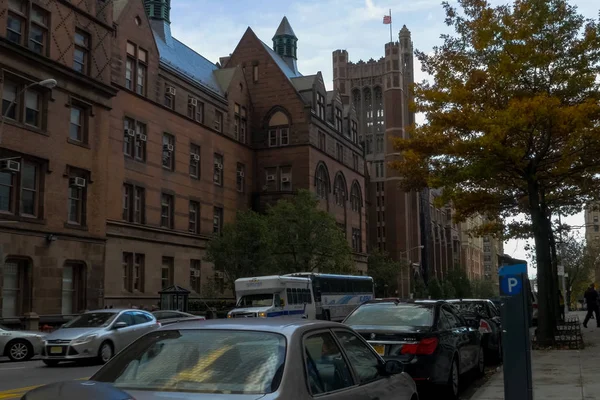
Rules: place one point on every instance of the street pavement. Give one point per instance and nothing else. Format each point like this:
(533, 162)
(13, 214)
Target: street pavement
(558, 374)
(18, 378)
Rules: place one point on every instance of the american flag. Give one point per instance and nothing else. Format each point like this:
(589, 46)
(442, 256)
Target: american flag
(387, 19)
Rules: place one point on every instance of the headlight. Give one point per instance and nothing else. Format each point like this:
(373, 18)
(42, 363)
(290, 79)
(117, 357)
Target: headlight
(84, 339)
(262, 314)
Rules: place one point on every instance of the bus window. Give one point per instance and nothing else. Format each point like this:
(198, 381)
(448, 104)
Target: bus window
(295, 296)
(317, 290)
(289, 296)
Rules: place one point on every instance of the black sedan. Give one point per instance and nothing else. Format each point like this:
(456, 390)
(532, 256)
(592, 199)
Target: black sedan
(429, 337)
(482, 314)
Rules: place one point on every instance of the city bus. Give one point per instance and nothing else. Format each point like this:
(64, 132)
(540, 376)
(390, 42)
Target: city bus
(301, 295)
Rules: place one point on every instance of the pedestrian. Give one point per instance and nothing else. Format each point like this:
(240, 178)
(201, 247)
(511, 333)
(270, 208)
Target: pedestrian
(591, 298)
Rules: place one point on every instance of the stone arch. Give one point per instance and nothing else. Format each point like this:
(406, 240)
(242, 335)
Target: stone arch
(340, 189)
(356, 199)
(322, 181)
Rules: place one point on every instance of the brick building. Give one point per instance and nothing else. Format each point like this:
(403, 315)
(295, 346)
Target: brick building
(54, 145)
(120, 174)
(406, 225)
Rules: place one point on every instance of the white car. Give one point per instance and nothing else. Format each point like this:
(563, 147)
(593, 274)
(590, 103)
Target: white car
(20, 345)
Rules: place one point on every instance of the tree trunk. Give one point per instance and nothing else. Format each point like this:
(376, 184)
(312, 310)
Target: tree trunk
(555, 260)
(546, 308)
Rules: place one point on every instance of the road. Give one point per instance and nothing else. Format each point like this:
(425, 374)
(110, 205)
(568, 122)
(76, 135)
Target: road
(18, 378)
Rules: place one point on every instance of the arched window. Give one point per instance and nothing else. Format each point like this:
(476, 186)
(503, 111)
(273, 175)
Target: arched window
(322, 181)
(355, 197)
(339, 190)
(279, 129)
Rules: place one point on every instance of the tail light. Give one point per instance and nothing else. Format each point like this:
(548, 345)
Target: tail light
(484, 326)
(424, 347)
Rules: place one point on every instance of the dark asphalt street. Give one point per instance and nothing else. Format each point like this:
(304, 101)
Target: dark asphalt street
(17, 378)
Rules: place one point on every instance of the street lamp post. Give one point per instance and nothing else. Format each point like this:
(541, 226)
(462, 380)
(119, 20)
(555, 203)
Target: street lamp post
(47, 83)
(409, 268)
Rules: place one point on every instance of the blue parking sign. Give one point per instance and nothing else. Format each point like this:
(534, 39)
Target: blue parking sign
(511, 285)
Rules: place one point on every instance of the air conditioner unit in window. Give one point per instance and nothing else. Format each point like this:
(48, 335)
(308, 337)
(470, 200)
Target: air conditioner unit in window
(170, 90)
(240, 174)
(127, 139)
(192, 102)
(168, 147)
(270, 178)
(129, 132)
(195, 157)
(285, 179)
(142, 137)
(10, 166)
(218, 165)
(77, 182)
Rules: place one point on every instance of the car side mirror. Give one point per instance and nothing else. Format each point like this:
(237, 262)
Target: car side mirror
(392, 367)
(120, 325)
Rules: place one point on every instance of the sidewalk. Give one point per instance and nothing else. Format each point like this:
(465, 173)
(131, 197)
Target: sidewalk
(558, 374)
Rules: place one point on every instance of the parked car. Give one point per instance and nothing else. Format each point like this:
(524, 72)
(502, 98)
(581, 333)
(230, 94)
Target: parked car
(20, 345)
(171, 317)
(96, 334)
(252, 359)
(429, 337)
(483, 315)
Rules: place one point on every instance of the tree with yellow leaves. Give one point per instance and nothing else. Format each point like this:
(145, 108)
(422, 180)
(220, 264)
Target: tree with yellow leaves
(512, 121)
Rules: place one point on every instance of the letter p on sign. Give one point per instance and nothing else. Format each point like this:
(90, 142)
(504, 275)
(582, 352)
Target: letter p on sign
(511, 285)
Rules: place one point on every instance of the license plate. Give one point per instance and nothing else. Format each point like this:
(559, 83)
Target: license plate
(56, 350)
(380, 349)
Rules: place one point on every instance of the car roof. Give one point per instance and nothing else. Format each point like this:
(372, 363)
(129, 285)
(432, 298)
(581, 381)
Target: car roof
(285, 326)
(466, 300)
(115, 310)
(404, 301)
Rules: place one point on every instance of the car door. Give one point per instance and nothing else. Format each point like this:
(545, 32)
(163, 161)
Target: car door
(127, 334)
(366, 365)
(328, 374)
(472, 337)
(461, 339)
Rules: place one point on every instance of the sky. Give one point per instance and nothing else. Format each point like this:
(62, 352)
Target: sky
(213, 28)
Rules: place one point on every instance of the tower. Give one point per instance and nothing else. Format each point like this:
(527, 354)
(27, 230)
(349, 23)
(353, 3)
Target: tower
(285, 43)
(158, 9)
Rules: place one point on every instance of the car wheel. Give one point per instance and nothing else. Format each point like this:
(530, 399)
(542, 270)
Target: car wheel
(451, 388)
(19, 350)
(50, 363)
(106, 352)
(481, 362)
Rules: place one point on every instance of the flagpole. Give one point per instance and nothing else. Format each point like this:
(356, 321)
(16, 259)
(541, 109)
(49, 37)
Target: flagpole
(391, 40)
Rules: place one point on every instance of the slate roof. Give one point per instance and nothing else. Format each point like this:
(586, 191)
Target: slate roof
(224, 77)
(284, 28)
(187, 62)
(281, 63)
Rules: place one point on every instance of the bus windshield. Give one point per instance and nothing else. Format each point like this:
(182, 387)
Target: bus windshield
(256, 300)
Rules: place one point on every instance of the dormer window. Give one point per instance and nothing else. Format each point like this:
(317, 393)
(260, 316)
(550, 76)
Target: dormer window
(338, 119)
(320, 106)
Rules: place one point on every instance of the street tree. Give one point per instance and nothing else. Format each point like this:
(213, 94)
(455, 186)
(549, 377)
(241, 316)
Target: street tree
(460, 282)
(579, 261)
(512, 120)
(307, 238)
(484, 289)
(435, 289)
(384, 272)
(244, 248)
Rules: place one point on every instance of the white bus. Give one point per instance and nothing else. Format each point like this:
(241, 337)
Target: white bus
(301, 295)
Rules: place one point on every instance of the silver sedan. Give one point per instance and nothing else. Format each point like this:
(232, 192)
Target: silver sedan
(20, 345)
(251, 359)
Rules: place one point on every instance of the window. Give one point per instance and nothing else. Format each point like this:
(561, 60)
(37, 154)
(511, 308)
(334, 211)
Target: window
(16, 22)
(236, 122)
(195, 281)
(365, 362)
(77, 197)
(31, 22)
(255, 73)
(195, 161)
(355, 198)
(356, 240)
(217, 220)
(322, 141)
(16, 287)
(273, 137)
(339, 191)
(38, 30)
(127, 265)
(195, 109)
(78, 128)
(20, 191)
(134, 139)
(136, 68)
(81, 52)
(279, 136)
(322, 182)
(338, 119)
(379, 172)
(138, 272)
(321, 349)
(168, 157)
(166, 210)
(167, 272)
(25, 106)
(218, 121)
(355, 161)
(596, 228)
(452, 319)
(240, 181)
(369, 145)
(379, 144)
(194, 217)
(286, 179)
(73, 288)
(218, 170)
(243, 125)
(134, 204)
(169, 96)
(354, 129)
(339, 152)
(595, 218)
(320, 106)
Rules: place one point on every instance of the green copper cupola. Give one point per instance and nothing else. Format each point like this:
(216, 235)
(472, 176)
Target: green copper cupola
(158, 9)
(285, 43)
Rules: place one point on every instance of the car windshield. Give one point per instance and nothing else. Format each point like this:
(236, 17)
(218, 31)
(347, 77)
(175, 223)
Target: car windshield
(475, 307)
(200, 361)
(391, 314)
(91, 320)
(256, 300)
